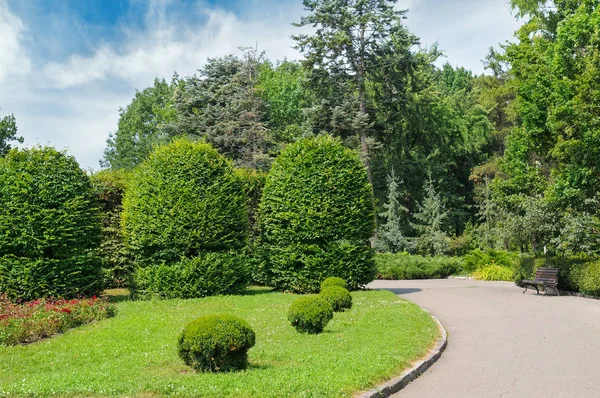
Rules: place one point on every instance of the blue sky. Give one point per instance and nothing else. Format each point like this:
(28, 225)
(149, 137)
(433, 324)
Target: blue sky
(67, 66)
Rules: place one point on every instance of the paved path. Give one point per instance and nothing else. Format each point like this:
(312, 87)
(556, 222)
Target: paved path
(502, 343)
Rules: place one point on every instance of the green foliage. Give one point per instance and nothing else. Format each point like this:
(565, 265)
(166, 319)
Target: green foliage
(49, 224)
(117, 266)
(339, 297)
(493, 273)
(207, 274)
(317, 192)
(8, 132)
(333, 281)
(184, 200)
(141, 126)
(299, 267)
(403, 266)
(310, 314)
(429, 223)
(588, 278)
(216, 343)
(253, 183)
(391, 233)
(477, 259)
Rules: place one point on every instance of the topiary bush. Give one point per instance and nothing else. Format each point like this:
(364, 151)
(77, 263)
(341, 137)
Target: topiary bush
(334, 281)
(339, 298)
(316, 199)
(182, 201)
(216, 343)
(49, 226)
(208, 274)
(310, 314)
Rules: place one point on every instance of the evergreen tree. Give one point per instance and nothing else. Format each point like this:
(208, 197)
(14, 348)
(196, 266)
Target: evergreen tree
(390, 234)
(429, 222)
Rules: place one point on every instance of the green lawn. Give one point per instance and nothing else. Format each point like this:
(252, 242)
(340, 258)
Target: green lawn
(134, 354)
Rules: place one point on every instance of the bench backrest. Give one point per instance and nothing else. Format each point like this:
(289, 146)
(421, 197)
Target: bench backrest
(546, 274)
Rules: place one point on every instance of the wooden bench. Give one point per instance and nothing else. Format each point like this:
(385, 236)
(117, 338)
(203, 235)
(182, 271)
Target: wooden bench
(546, 277)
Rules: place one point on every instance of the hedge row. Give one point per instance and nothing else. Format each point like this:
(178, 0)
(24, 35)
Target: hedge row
(404, 266)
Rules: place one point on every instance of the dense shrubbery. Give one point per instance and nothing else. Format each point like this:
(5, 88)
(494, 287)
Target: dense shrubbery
(253, 183)
(493, 273)
(310, 314)
(216, 343)
(406, 266)
(339, 298)
(204, 275)
(49, 226)
(117, 267)
(334, 281)
(316, 216)
(300, 267)
(184, 200)
(36, 320)
(477, 259)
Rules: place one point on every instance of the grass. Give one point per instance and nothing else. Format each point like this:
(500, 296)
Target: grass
(135, 355)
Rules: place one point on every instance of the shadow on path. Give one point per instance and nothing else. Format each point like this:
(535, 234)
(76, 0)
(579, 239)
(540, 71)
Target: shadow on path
(401, 290)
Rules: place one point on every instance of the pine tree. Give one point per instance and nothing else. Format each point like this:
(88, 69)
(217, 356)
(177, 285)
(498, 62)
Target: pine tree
(390, 235)
(429, 222)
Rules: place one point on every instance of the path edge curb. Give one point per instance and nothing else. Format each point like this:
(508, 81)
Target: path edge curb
(417, 369)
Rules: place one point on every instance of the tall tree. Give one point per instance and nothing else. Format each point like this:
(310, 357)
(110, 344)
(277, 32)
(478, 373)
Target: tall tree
(391, 234)
(429, 222)
(141, 126)
(8, 133)
(353, 40)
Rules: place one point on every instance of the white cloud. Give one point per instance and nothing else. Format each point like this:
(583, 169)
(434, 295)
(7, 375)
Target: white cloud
(13, 60)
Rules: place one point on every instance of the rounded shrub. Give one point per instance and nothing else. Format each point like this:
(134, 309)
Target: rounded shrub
(339, 298)
(208, 274)
(216, 343)
(333, 281)
(310, 314)
(182, 201)
(49, 226)
(316, 217)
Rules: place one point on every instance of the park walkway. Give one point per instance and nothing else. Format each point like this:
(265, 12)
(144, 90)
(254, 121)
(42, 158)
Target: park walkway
(502, 343)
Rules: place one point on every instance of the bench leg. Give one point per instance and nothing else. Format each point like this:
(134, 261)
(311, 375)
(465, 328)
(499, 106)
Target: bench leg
(525, 289)
(537, 289)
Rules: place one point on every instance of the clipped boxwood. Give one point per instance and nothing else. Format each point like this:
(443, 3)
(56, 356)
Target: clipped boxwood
(216, 343)
(49, 221)
(300, 267)
(182, 201)
(339, 298)
(333, 281)
(310, 314)
(317, 194)
(208, 274)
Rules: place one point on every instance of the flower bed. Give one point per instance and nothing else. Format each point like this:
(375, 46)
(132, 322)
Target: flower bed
(39, 319)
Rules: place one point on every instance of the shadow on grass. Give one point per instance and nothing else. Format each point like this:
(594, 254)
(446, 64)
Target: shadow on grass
(117, 295)
(254, 290)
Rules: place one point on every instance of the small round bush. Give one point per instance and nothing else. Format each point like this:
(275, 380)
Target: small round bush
(310, 314)
(339, 298)
(216, 343)
(183, 200)
(334, 281)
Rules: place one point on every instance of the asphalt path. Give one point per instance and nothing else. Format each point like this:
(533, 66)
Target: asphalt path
(502, 343)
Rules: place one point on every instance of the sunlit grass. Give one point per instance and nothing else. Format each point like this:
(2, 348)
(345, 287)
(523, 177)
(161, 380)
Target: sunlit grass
(134, 354)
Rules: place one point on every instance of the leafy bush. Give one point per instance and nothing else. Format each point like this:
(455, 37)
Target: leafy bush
(570, 269)
(184, 200)
(300, 267)
(493, 273)
(316, 195)
(479, 259)
(253, 183)
(339, 297)
(216, 343)
(117, 266)
(205, 275)
(49, 222)
(588, 278)
(39, 319)
(403, 266)
(334, 281)
(310, 314)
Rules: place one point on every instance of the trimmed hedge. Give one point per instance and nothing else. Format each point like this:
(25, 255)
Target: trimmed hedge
(310, 314)
(208, 274)
(216, 343)
(339, 298)
(49, 223)
(182, 201)
(402, 266)
(334, 281)
(253, 183)
(575, 273)
(316, 196)
(300, 267)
